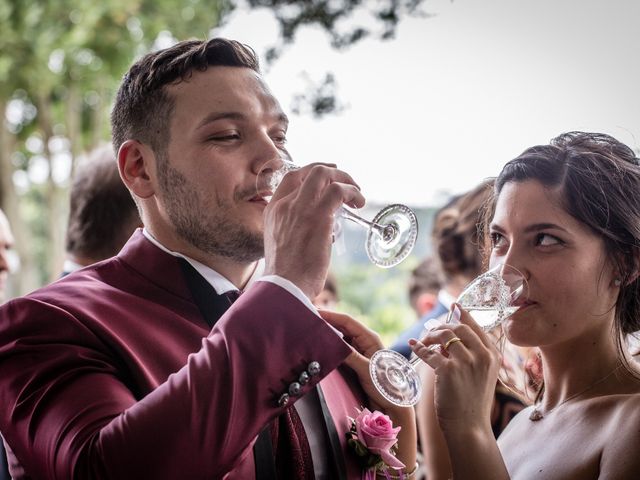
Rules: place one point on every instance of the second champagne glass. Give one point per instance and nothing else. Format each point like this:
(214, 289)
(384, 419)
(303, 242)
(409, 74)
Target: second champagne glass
(490, 298)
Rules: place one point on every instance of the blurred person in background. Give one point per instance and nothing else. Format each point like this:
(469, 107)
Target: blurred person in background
(102, 213)
(456, 237)
(424, 284)
(328, 297)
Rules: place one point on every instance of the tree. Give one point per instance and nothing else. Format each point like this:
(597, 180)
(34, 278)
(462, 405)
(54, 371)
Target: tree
(337, 19)
(60, 62)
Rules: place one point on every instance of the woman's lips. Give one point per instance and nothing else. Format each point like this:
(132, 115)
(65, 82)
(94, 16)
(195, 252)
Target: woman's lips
(523, 304)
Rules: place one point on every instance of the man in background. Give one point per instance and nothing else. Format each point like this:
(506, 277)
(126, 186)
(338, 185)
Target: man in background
(102, 213)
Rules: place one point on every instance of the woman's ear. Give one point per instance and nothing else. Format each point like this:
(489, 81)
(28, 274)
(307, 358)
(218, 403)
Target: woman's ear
(628, 268)
(136, 163)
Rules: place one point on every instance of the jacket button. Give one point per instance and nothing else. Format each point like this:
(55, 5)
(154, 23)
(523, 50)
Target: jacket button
(313, 368)
(294, 389)
(304, 378)
(283, 400)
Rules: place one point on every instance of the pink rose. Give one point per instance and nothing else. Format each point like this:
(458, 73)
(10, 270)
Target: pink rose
(375, 431)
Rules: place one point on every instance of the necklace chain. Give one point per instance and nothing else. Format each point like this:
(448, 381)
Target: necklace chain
(537, 414)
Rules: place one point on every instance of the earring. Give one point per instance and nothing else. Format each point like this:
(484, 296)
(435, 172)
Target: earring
(617, 282)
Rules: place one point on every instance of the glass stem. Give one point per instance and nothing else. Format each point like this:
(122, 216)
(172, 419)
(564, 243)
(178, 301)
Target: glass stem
(386, 233)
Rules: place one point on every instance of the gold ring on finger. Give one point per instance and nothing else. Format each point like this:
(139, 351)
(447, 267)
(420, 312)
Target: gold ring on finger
(450, 341)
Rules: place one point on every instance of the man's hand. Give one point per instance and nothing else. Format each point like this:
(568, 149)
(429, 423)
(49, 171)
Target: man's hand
(299, 224)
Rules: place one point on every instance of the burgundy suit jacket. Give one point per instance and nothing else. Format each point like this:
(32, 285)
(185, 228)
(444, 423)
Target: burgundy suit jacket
(112, 372)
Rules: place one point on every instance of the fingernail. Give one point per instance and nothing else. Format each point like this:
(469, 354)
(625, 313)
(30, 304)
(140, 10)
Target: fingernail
(456, 312)
(433, 323)
(412, 341)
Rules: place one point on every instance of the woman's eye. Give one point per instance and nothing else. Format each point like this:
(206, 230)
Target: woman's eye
(496, 239)
(280, 139)
(545, 240)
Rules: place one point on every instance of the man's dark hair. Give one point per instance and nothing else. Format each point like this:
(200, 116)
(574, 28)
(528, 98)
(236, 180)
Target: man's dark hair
(143, 108)
(426, 277)
(102, 213)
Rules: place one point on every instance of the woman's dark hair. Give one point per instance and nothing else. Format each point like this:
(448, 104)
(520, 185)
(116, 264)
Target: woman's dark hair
(598, 178)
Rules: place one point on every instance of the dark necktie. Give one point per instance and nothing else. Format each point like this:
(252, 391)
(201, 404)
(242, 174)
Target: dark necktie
(291, 446)
(232, 295)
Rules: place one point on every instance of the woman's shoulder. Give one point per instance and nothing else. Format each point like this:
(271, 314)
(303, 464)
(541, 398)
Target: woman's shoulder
(620, 406)
(621, 417)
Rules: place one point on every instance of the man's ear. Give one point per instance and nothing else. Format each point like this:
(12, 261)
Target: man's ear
(137, 164)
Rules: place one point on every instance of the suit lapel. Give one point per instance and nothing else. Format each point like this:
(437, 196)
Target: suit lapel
(334, 438)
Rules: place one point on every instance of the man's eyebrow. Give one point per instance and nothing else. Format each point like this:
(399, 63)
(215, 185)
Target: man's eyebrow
(215, 116)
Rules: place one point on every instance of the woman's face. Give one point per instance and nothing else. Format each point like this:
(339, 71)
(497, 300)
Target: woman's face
(571, 283)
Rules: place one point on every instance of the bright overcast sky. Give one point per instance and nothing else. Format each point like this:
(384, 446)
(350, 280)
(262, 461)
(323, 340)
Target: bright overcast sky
(456, 95)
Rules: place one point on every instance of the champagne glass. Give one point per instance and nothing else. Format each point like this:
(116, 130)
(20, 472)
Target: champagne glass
(391, 235)
(490, 298)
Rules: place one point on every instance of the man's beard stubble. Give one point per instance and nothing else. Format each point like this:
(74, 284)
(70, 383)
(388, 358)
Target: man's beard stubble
(219, 232)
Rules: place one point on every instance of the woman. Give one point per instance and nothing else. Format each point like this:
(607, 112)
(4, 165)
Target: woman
(456, 241)
(568, 216)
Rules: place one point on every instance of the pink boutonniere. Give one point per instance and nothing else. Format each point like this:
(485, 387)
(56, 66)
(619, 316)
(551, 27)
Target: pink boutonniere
(374, 440)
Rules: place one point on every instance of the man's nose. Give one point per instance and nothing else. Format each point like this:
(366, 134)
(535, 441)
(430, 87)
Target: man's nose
(267, 155)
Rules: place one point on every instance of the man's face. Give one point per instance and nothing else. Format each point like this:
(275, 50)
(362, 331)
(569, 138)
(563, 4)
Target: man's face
(225, 126)
(6, 243)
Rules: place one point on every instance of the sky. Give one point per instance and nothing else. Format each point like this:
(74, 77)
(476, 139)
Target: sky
(457, 94)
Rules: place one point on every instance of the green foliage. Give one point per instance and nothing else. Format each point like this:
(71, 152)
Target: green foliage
(377, 297)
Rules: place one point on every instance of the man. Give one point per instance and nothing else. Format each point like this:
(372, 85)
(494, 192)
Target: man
(130, 369)
(102, 214)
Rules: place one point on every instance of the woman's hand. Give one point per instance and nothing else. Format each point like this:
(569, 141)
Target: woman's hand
(466, 373)
(364, 342)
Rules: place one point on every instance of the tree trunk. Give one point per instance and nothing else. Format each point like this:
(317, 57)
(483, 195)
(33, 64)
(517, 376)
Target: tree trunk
(54, 195)
(26, 278)
(74, 121)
